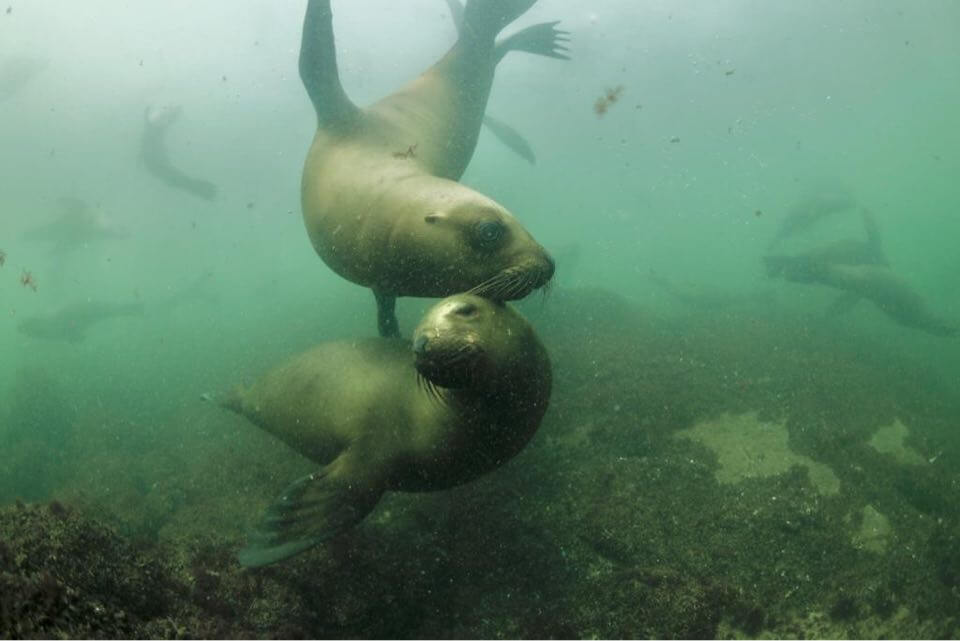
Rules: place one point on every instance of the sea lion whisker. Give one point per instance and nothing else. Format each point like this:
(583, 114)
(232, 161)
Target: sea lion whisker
(508, 286)
(430, 388)
(488, 284)
(519, 283)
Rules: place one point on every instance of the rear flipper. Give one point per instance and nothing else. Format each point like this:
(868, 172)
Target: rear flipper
(310, 511)
(874, 238)
(843, 304)
(542, 39)
(511, 138)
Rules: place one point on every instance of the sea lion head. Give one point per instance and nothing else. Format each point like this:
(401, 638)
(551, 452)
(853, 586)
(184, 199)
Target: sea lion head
(468, 242)
(468, 341)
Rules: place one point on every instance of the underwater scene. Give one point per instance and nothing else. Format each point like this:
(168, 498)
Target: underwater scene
(482, 319)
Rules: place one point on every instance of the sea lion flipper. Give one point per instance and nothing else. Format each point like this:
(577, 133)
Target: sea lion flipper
(387, 323)
(318, 66)
(843, 304)
(482, 20)
(456, 12)
(510, 137)
(542, 39)
(310, 511)
(874, 239)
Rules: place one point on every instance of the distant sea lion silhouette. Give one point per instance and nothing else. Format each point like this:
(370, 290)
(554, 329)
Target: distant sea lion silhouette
(379, 418)
(811, 209)
(77, 226)
(156, 157)
(71, 322)
(877, 283)
(380, 199)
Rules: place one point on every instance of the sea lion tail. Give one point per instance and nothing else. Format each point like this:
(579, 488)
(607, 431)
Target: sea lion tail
(310, 511)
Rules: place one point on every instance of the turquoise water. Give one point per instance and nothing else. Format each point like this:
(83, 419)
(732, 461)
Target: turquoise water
(730, 114)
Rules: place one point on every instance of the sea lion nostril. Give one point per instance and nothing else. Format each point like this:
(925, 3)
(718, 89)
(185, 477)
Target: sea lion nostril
(420, 344)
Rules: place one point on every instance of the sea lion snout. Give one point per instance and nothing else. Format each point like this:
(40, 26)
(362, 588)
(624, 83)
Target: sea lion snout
(549, 269)
(447, 343)
(420, 345)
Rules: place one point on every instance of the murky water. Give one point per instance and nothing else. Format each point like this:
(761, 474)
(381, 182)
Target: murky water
(753, 425)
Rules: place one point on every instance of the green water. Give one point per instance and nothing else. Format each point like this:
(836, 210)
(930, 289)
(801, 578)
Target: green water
(661, 318)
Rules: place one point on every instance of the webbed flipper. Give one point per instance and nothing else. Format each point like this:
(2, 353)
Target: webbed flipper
(510, 137)
(318, 67)
(542, 39)
(484, 19)
(310, 511)
(874, 239)
(843, 304)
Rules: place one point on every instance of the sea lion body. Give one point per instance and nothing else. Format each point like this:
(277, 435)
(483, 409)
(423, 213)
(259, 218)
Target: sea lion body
(70, 323)
(380, 418)
(381, 204)
(877, 283)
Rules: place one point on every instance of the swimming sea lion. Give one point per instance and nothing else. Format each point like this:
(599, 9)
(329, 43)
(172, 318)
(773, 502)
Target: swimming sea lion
(71, 322)
(877, 283)
(77, 226)
(380, 199)
(380, 418)
(811, 209)
(156, 158)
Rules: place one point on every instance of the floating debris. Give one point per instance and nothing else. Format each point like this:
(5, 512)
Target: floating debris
(675, 139)
(3, 257)
(27, 280)
(603, 102)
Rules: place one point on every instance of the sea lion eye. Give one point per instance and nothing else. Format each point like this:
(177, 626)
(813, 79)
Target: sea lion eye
(488, 233)
(466, 310)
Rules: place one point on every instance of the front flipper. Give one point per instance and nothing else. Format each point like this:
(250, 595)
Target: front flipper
(318, 67)
(387, 323)
(542, 39)
(310, 511)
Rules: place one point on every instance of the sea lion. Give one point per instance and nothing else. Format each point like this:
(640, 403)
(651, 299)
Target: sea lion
(77, 226)
(850, 251)
(847, 251)
(877, 283)
(811, 209)
(156, 157)
(707, 298)
(380, 418)
(71, 322)
(380, 199)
